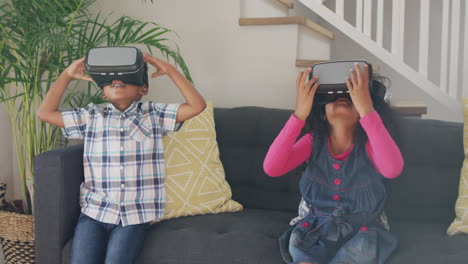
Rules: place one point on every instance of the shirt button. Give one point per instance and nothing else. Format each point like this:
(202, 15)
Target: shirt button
(121, 204)
(337, 181)
(121, 167)
(336, 197)
(336, 166)
(123, 185)
(121, 148)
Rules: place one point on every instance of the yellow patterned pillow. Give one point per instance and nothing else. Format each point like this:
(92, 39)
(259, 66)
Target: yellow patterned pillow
(460, 225)
(194, 181)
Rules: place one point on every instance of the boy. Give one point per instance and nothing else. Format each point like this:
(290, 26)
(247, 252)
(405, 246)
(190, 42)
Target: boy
(123, 159)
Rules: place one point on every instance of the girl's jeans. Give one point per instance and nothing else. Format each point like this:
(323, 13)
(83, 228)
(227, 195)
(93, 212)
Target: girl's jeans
(97, 242)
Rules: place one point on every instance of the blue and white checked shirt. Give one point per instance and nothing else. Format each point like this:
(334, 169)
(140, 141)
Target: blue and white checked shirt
(123, 159)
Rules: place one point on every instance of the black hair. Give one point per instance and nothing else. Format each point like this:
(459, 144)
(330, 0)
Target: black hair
(319, 126)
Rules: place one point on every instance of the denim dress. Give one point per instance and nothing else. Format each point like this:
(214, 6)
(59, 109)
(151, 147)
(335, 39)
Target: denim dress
(345, 199)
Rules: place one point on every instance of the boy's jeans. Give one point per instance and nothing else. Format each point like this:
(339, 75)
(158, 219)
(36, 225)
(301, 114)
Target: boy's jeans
(96, 242)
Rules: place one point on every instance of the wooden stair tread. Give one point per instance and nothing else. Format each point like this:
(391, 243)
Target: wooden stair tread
(287, 3)
(409, 107)
(299, 20)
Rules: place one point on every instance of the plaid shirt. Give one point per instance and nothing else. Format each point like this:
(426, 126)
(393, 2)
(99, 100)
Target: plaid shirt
(123, 159)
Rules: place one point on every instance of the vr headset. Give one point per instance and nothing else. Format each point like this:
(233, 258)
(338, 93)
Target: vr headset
(105, 64)
(332, 77)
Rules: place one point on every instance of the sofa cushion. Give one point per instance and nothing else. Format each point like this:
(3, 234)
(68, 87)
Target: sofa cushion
(195, 181)
(244, 136)
(426, 190)
(246, 237)
(251, 236)
(460, 224)
(427, 243)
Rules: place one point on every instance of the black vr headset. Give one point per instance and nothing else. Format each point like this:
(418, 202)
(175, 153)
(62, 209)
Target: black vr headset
(105, 64)
(332, 78)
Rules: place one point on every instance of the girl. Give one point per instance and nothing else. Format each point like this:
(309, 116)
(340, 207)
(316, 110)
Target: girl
(348, 151)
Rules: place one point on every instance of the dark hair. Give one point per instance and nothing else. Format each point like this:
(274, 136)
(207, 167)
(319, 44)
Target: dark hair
(318, 125)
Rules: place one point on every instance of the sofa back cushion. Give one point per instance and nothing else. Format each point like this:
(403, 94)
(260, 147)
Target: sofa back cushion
(427, 189)
(244, 135)
(425, 192)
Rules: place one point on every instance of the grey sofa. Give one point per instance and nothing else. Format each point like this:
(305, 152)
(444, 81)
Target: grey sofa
(420, 202)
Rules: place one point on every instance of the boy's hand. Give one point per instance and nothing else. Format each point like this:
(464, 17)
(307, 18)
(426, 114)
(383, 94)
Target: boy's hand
(359, 91)
(76, 70)
(305, 94)
(161, 66)
(48, 109)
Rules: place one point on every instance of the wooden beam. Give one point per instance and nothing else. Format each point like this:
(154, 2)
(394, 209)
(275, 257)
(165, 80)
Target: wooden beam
(409, 107)
(286, 3)
(299, 20)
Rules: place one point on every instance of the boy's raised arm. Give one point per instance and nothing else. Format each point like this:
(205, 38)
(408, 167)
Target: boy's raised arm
(48, 110)
(194, 102)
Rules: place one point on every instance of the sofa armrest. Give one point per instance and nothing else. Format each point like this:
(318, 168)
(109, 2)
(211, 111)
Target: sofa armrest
(58, 175)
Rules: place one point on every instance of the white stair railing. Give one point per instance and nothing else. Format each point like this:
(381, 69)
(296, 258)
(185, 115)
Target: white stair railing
(451, 87)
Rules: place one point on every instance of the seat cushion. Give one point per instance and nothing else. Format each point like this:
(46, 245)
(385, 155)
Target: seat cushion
(428, 243)
(251, 236)
(243, 237)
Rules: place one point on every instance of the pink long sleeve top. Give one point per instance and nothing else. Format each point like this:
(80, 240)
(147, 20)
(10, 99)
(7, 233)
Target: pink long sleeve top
(286, 153)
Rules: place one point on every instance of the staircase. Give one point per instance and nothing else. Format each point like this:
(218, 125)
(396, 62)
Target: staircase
(370, 28)
(362, 30)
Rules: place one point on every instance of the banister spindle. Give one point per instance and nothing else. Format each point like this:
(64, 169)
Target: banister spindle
(454, 49)
(424, 37)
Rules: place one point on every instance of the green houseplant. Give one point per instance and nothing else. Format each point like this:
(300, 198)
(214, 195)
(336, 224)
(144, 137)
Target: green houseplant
(40, 38)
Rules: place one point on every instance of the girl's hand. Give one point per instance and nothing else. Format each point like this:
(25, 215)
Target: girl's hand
(76, 70)
(305, 94)
(162, 67)
(358, 87)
